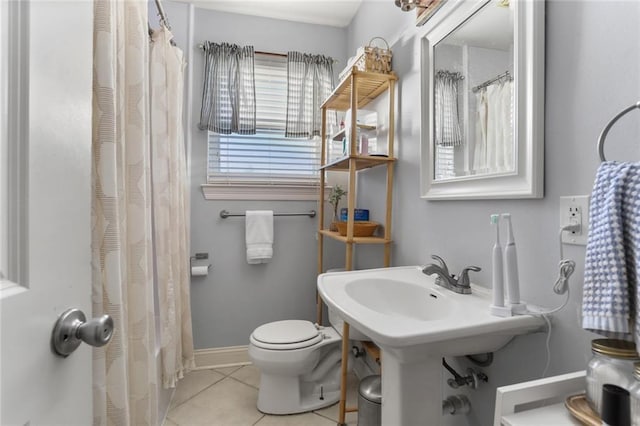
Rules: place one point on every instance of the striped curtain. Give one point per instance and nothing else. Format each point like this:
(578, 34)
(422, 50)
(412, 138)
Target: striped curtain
(446, 109)
(309, 83)
(229, 95)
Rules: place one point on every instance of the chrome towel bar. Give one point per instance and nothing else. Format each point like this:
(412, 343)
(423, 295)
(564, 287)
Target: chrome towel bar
(225, 214)
(610, 124)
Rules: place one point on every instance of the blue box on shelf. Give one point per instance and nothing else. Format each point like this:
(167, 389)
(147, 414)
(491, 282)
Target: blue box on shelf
(359, 214)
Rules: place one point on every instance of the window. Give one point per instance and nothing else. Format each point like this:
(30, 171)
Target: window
(265, 165)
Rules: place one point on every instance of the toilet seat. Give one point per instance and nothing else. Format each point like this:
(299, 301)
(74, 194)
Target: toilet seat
(286, 335)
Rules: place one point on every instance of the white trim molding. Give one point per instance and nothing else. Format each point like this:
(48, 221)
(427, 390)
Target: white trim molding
(252, 191)
(230, 356)
(14, 97)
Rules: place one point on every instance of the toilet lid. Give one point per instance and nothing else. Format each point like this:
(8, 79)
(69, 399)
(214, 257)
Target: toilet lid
(286, 332)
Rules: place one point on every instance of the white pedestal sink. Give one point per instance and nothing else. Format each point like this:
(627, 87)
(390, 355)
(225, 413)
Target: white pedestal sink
(416, 323)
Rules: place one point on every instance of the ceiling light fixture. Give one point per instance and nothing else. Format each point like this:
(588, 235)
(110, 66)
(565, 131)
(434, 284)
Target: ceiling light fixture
(407, 5)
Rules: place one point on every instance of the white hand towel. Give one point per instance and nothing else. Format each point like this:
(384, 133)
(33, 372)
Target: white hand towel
(259, 236)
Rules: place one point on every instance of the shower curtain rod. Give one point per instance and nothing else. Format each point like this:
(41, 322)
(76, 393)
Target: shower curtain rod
(506, 74)
(164, 22)
(163, 16)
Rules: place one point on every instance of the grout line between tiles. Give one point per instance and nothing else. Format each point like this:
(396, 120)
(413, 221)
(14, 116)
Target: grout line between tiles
(244, 383)
(325, 417)
(258, 421)
(194, 395)
(226, 375)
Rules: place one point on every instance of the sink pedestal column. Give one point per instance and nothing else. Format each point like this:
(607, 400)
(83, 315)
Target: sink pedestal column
(411, 390)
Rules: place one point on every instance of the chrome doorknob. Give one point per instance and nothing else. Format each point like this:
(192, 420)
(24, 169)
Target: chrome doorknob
(72, 328)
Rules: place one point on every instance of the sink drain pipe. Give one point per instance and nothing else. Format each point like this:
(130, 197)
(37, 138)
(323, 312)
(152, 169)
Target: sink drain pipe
(370, 402)
(455, 405)
(472, 379)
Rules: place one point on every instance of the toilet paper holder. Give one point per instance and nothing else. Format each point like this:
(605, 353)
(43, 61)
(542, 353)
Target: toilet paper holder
(199, 256)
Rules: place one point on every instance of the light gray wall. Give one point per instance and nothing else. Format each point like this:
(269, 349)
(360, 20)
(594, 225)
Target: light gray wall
(592, 69)
(236, 297)
(591, 74)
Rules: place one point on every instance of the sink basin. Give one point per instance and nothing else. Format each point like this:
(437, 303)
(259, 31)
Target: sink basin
(416, 323)
(398, 299)
(402, 308)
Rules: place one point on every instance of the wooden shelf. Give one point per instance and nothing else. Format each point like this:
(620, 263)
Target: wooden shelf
(342, 133)
(355, 91)
(362, 162)
(356, 240)
(370, 86)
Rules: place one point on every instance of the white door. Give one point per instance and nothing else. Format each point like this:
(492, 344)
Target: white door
(45, 206)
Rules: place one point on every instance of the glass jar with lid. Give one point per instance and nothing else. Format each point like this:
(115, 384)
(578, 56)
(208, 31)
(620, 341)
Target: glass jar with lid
(635, 396)
(613, 362)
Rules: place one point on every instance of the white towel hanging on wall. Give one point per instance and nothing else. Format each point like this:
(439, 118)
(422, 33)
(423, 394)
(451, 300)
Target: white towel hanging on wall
(259, 236)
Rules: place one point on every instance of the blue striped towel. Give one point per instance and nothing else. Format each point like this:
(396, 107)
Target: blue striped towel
(612, 265)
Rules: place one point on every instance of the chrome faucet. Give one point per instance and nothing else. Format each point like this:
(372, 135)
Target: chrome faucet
(445, 279)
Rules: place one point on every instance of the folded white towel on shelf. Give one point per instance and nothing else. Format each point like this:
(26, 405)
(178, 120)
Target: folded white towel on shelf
(259, 236)
(611, 301)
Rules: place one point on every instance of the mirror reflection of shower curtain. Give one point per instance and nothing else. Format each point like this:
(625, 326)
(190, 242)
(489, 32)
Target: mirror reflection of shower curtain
(447, 125)
(493, 151)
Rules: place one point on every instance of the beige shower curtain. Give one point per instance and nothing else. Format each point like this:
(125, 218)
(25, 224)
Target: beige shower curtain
(126, 371)
(170, 207)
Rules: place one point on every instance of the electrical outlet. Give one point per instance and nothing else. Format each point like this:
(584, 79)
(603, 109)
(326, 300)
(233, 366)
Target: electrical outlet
(574, 210)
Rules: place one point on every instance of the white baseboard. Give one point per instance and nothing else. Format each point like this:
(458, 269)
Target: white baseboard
(230, 356)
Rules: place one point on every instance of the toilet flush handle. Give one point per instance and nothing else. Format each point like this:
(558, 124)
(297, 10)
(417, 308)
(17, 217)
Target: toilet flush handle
(72, 328)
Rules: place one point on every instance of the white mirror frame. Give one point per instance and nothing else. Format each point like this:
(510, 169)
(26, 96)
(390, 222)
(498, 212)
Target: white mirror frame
(527, 181)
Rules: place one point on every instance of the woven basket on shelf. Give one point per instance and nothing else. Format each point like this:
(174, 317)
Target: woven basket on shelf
(375, 59)
(371, 58)
(360, 228)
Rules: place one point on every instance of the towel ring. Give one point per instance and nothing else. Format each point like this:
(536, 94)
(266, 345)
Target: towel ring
(610, 124)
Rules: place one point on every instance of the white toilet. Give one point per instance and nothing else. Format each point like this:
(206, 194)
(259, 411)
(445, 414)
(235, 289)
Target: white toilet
(299, 364)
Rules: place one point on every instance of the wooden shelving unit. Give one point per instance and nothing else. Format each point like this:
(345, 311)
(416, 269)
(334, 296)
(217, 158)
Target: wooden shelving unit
(355, 240)
(354, 92)
(361, 162)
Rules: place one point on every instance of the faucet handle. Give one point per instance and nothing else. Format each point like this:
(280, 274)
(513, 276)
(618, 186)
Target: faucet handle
(441, 263)
(463, 279)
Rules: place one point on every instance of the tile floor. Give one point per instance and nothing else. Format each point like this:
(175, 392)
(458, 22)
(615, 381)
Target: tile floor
(228, 396)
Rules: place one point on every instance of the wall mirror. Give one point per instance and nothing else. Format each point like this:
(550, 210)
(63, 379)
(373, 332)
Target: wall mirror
(482, 97)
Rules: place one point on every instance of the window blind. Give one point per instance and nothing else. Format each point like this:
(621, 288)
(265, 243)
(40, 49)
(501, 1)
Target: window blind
(445, 162)
(266, 157)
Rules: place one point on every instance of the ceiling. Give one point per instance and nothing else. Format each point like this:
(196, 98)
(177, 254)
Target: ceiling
(337, 13)
(491, 27)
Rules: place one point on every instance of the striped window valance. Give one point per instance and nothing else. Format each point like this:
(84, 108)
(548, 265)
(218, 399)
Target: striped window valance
(447, 123)
(309, 83)
(228, 98)
(266, 159)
